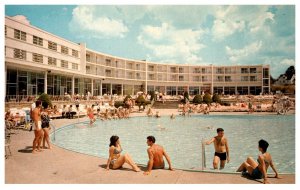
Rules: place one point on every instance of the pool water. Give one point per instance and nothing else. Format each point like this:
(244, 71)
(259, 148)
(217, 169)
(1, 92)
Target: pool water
(182, 138)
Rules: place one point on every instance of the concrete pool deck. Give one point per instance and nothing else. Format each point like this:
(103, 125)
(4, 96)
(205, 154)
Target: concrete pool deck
(60, 166)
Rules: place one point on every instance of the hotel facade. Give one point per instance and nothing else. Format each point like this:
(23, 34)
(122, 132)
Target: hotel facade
(37, 61)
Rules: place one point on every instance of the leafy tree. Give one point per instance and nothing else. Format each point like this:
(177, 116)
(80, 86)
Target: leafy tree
(140, 101)
(216, 98)
(290, 72)
(45, 99)
(197, 99)
(207, 98)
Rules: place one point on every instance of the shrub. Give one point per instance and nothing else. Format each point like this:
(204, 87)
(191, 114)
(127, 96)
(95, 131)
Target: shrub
(119, 104)
(45, 99)
(197, 99)
(207, 98)
(216, 98)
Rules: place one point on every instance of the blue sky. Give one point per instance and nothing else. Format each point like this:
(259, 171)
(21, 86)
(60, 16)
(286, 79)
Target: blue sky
(198, 34)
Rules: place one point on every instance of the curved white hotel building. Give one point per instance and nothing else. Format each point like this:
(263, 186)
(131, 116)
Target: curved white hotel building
(37, 61)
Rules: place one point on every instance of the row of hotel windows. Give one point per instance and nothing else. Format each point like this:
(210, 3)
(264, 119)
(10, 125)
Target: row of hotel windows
(174, 69)
(18, 34)
(21, 54)
(108, 73)
(108, 62)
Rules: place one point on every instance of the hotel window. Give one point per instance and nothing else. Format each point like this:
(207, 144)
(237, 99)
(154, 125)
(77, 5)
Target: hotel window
(138, 67)
(74, 53)
(173, 78)
(181, 70)
(20, 54)
(253, 78)
(20, 35)
(197, 70)
(228, 78)
(138, 76)
(266, 73)
(108, 73)
(159, 77)
(64, 50)
(252, 70)
(181, 78)
(204, 78)
(244, 78)
(52, 45)
(130, 75)
(88, 57)
(75, 66)
(173, 69)
(228, 70)
(52, 61)
(219, 70)
(244, 70)
(266, 82)
(64, 64)
(203, 70)
(180, 90)
(196, 78)
(5, 30)
(151, 76)
(108, 62)
(37, 57)
(220, 78)
(37, 41)
(151, 68)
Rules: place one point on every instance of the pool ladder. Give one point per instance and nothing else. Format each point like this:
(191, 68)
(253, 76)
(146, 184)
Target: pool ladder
(203, 155)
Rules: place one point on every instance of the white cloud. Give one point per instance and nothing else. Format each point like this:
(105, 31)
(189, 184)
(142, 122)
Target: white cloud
(22, 18)
(169, 44)
(238, 54)
(85, 20)
(288, 62)
(224, 28)
(232, 19)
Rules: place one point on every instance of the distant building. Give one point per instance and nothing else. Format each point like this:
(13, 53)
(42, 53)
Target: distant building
(37, 61)
(283, 80)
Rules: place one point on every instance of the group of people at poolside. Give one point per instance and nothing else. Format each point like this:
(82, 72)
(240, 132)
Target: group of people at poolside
(156, 154)
(255, 170)
(187, 109)
(117, 113)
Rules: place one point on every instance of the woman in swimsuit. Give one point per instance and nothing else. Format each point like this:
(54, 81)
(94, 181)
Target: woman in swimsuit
(46, 126)
(259, 170)
(116, 160)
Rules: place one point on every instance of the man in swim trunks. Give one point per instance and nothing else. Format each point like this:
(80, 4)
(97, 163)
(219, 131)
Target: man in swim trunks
(156, 153)
(38, 132)
(221, 149)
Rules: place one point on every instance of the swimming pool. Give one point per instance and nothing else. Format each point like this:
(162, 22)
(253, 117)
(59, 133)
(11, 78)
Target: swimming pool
(182, 137)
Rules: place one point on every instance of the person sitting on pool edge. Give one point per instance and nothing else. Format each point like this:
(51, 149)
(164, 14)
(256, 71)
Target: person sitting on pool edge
(156, 153)
(259, 170)
(116, 160)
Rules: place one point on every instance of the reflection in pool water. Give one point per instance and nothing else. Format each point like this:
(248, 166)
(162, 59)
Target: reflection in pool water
(182, 137)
